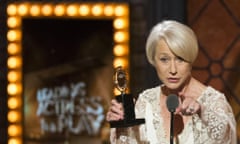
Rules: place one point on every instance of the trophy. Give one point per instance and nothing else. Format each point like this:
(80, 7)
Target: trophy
(120, 81)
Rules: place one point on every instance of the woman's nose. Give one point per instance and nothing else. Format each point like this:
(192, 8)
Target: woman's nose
(173, 68)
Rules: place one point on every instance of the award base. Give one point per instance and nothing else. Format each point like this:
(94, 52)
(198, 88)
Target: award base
(124, 123)
(129, 113)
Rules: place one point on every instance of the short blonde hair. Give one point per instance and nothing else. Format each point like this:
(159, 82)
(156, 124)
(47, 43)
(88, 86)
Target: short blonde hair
(180, 39)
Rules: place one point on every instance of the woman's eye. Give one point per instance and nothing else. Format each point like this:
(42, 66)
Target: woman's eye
(164, 59)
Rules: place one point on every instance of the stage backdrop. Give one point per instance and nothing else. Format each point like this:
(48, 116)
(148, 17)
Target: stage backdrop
(216, 24)
(67, 79)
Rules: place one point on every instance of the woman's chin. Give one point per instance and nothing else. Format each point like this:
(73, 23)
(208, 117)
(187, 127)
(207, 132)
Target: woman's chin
(173, 86)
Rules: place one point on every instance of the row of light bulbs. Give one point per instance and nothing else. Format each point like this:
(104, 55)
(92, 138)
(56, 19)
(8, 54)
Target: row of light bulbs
(117, 12)
(98, 9)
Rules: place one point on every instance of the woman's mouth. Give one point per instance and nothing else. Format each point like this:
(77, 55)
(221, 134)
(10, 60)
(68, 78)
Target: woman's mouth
(173, 80)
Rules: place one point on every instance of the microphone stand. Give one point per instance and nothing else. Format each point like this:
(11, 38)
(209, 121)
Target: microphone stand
(172, 104)
(172, 128)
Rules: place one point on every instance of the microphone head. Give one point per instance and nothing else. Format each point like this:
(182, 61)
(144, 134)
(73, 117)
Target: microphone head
(172, 102)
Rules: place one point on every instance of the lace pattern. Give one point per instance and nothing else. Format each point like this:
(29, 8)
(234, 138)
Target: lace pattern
(216, 125)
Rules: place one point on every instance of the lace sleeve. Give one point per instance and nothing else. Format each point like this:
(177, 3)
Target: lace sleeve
(140, 107)
(216, 123)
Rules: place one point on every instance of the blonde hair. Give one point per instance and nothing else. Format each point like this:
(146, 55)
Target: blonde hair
(180, 39)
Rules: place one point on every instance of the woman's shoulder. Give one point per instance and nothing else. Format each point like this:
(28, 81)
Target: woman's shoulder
(150, 93)
(210, 93)
(146, 97)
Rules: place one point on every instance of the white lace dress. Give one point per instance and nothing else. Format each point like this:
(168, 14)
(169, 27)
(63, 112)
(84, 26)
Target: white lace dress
(217, 124)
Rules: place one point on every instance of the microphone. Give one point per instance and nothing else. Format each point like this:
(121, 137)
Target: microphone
(172, 104)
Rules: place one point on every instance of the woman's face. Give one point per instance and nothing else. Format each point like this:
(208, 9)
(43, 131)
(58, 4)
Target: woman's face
(172, 70)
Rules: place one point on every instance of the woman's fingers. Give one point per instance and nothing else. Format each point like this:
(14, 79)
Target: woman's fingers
(189, 106)
(116, 104)
(115, 111)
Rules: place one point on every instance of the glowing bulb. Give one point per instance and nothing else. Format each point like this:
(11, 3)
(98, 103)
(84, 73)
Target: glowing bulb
(13, 116)
(97, 10)
(120, 62)
(120, 23)
(14, 88)
(13, 35)
(120, 50)
(35, 10)
(14, 62)
(13, 102)
(12, 9)
(108, 10)
(47, 10)
(121, 11)
(14, 141)
(23, 9)
(71, 10)
(14, 130)
(59, 10)
(84, 10)
(120, 36)
(13, 22)
(13, 48)
(14, 76)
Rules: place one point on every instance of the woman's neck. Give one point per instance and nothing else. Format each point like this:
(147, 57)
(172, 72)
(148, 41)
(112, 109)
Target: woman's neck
(192, 88)
(166, 91)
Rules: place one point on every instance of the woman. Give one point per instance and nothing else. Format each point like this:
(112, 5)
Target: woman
(203, 116)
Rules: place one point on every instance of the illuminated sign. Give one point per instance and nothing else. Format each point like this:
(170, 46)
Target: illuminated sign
(67, 107)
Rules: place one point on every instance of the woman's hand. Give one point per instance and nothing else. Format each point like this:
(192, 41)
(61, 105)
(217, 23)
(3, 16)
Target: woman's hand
(115, 112)
(188, 106)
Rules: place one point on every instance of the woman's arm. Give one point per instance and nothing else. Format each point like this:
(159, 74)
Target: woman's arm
(216, 123)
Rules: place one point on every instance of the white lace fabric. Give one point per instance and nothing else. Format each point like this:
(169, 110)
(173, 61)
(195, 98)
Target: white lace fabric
(216, 125)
